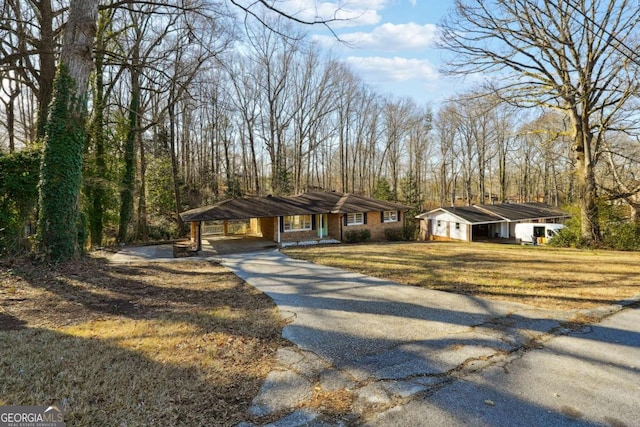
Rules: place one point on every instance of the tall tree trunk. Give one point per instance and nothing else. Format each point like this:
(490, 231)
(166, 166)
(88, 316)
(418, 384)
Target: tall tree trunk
(142, 231)
(46, 56)
(95, 188)
(254, 162)
(128, 180)
(11, 116)
(502, 174)
(586, 182)
(61, 172)
(174, 165)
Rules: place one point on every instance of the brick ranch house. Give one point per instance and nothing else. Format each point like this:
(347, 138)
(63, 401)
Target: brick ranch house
(309, 218)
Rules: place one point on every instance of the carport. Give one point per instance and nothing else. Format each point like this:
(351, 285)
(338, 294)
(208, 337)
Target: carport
(316, 217)
(258, 217)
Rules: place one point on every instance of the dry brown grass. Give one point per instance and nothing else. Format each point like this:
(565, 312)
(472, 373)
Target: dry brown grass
(541, 276)
(332, 403)
(155, 344)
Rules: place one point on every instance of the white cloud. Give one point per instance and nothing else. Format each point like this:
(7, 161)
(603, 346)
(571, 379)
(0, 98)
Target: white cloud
(347, 13)
(387, 37)
(396, 69)
(417, 79)
(393, 37)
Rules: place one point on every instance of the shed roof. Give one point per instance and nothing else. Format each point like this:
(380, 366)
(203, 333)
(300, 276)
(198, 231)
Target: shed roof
(523, 211)
(318, 202)
(468, 214)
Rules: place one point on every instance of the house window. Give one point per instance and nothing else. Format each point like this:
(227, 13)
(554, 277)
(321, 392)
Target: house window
(355, 219)
(297, 223)
(457, 226)
(439, 223)
(390, 216)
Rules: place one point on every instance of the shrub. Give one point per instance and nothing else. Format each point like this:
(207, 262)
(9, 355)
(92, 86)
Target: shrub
(617, 232)
(162, 228)
(410, 231)
(623, 236)
(19, 173)
(394, 234)
(357, 236)
(566, 238)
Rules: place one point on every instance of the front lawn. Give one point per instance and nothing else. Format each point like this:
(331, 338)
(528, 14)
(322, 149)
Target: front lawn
(542, 276)
(134, 345)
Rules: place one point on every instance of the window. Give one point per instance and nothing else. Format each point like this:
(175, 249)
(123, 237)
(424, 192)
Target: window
(439, 223)
(297, 223)
(355, 219)
(457, 226)
(390, 216)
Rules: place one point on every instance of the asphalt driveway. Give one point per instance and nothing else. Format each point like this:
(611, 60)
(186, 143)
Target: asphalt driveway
(408, 353)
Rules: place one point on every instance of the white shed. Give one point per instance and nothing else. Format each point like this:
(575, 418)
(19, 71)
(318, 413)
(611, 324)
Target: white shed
(478, 222)
(460, 223)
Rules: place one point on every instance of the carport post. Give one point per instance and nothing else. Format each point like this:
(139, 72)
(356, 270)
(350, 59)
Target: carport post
(196, 234)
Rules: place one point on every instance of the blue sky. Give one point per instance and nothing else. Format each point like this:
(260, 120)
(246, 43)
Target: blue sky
(390, 44)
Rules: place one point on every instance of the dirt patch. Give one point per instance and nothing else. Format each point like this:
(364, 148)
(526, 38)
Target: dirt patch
(174, 343)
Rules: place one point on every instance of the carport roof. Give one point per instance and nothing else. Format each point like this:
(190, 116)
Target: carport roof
(523, 211)
(319, 202)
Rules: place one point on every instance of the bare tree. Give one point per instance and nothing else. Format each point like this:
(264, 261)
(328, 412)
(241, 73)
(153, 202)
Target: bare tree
(399, 117)
(29, 40)
(620, 178)
(579, 57)
(446, 133)
(503, 124)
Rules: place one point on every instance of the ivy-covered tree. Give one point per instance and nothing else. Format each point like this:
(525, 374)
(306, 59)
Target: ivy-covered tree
(61, 170)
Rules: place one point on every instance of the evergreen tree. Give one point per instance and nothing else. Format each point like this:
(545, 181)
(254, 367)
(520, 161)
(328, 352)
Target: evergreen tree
(382, 190)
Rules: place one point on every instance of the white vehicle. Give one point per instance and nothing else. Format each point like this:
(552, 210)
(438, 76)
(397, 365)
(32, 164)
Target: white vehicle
(536, 233)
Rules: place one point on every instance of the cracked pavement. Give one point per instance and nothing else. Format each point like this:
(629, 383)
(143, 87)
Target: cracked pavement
(405, 355)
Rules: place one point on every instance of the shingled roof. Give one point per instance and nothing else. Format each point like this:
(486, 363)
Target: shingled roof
(485, 214)
(318, 202)
(523, 211)
(468, 213)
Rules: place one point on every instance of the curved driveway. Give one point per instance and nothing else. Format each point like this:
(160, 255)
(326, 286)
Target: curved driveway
(413, 356)
(379, 329)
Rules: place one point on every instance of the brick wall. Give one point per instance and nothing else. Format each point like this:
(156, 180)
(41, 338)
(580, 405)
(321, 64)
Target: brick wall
(268, 228)
(334, 223)
(374, 225)
(297, 236)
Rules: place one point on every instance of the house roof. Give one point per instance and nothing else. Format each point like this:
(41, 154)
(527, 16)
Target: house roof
(483, 214)
(524, 211)
(318, 202)
(469, 214)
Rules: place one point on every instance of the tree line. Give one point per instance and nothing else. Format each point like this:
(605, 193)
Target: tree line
(186, 105)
